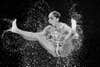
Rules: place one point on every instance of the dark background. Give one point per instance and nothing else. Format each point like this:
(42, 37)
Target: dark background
(90, 9)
